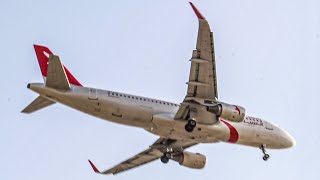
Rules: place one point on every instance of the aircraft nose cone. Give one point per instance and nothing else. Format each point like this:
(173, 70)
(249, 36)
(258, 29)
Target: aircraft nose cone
(292, 141)
(289, 140)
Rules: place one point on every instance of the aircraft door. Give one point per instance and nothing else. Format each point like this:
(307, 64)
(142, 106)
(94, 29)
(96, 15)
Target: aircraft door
(95, 104)
(93, 94)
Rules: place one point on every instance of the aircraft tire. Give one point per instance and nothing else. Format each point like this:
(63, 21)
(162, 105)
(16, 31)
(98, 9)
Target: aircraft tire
(164, 159)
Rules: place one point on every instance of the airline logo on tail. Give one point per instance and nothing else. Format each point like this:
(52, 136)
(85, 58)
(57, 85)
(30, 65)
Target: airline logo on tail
(43, 53)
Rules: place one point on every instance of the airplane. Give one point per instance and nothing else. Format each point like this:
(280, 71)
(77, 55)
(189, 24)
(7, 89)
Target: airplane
(200, 118)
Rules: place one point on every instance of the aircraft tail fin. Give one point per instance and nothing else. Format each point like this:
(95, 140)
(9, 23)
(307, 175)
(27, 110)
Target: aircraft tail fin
(43, 54)
(39, 103)
(56, 74)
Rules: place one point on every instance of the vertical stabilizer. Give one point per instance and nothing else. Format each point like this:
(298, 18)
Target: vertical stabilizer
(43, 54)
(56, 75)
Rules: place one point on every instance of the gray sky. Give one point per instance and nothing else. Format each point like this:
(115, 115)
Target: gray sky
(267, 58)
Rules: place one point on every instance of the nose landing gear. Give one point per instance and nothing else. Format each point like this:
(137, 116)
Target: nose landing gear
(190, 125)
(265, 155)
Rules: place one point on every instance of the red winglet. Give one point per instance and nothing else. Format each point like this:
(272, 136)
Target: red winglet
(199, 15)
(96, 170)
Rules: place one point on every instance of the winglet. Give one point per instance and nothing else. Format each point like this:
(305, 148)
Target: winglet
(96, 170)
(199, 15)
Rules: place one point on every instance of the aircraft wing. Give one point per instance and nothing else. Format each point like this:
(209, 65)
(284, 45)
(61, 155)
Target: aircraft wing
(155, 151)
(202, 79)
(202, 84)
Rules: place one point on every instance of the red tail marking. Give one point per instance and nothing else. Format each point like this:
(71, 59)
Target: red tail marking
(43, 53)
(96, 170)
(71, 78)
(234, 135)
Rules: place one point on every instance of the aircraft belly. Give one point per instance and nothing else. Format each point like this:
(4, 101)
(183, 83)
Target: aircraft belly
(253, 135)
(165, 126)
(97, 103)
(115, 111)
(139, 116)
(247, 135)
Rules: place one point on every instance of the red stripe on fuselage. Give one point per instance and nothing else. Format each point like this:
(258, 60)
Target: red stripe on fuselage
(234, 135)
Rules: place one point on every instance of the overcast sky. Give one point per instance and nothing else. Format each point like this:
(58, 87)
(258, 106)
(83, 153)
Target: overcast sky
(267, 55)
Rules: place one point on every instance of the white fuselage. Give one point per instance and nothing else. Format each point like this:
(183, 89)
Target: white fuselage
(157, 117)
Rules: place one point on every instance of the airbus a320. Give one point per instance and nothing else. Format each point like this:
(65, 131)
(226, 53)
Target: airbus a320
(200, 118)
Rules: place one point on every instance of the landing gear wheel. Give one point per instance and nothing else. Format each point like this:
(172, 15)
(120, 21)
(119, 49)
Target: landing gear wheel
(265, 155)
(167, 155)
(188, 128)
(164, 159)
(190, 125)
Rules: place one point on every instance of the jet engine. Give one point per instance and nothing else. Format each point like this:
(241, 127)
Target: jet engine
(191, 160)
(228, 112)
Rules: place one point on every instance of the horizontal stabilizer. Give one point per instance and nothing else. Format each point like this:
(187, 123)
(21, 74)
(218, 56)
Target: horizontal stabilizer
(56, 76)
(39, 103)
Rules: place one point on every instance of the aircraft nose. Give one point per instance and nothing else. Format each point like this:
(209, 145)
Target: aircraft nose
(289, 140)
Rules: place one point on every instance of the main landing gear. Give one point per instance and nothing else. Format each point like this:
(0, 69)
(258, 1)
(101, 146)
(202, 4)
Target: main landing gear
(165, 158)
(265, 155)
(190, 125)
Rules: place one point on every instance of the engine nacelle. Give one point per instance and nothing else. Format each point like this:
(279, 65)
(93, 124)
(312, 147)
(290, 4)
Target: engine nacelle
(191, 160)
(228, 112)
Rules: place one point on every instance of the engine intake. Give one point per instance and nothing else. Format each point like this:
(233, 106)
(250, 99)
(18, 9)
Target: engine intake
(190, 160)
(229, 112)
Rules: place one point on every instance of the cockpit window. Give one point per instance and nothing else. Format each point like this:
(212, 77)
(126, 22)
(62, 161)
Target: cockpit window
(268, 125)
